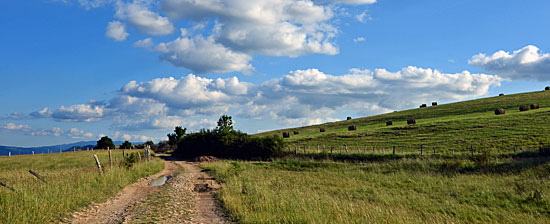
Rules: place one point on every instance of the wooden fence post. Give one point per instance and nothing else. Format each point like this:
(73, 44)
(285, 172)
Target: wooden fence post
(323, 148)
(434, 149)
(110, 161)
(295, 150)
(472, 149)
(98, 164)
(331, 147)
(373, 149)
(394, 149)
(37, 176)
(345, 145)
(358, 150)
(139, 156)
(317, 148)
(421, 150)
(514, 149)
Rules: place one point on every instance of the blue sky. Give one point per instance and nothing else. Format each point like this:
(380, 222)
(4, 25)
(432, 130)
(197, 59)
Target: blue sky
(77, 69)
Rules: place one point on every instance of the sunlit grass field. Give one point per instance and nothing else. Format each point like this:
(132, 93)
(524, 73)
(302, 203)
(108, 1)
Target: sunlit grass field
(73, 181)
(421, 190)
(457, 126)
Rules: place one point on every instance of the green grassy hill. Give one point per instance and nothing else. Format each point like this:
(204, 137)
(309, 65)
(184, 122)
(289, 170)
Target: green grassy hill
(454, 126)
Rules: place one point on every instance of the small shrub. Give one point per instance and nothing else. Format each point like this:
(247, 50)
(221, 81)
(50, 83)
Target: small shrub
(388, 123)
(129, 161)
(411, 121)
(423, 105)
(322, 130)
(534, 106)
(296, 132)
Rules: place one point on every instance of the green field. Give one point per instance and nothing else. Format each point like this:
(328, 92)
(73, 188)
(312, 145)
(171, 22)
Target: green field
(73, 182)
(452, 185)
(456, 126)
(427, 190)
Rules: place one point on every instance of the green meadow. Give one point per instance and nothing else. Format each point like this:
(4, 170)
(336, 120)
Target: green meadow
(453, 185)
(422, 190)
(456, 126)
(73, 182)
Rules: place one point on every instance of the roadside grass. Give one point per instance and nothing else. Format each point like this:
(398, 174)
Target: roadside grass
(399, 190)
(73, 182)
(456, 126)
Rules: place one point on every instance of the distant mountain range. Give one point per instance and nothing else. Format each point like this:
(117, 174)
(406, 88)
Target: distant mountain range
(83, 145)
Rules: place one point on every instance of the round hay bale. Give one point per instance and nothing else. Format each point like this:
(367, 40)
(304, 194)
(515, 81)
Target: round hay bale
(411, 121)
(524, 108)
(500, 111)
(296, 132)
(501, 94)
(352, 128)
(388, 123)
(434, 103)
(423, 105)
(322, 130)
(534, 106)
(547, 88)
(286, 135)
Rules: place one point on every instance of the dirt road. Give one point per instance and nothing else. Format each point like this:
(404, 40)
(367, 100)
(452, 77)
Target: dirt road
(187, 197)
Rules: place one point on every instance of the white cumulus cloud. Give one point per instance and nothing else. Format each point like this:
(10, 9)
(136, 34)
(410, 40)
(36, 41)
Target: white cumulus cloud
(116, 30)
(139, 16)
(526, 63)
(203, 55)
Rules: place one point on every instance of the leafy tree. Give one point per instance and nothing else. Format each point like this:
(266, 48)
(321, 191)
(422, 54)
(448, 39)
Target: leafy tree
(225, 124)
(126, 145)
(105, 142)
(179, 133)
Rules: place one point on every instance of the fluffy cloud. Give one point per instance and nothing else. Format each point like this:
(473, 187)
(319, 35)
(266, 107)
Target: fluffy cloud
(526, 63)
(314, 94)
(18, 127)
(76, 133)
(116, 30)
(139, 16)
(78, 113)
(73, 133)
(203, 55)
(145, 43)
(226, 34)
(243, 28)
(300, 97)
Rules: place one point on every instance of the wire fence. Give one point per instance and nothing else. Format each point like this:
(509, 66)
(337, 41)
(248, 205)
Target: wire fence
(422, 149)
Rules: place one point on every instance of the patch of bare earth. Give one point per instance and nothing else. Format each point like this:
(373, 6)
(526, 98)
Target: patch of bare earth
(187, 197)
